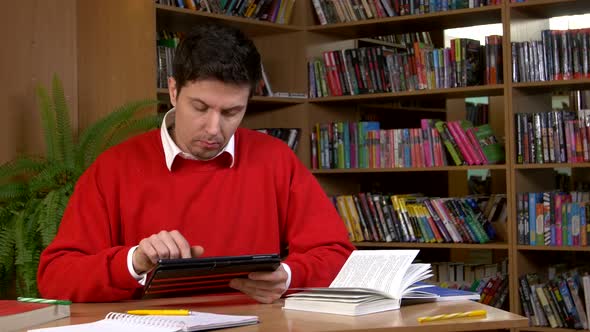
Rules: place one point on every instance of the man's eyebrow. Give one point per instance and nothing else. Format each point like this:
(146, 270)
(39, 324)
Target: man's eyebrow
(236, 107)
(231, 108)
(196, 99)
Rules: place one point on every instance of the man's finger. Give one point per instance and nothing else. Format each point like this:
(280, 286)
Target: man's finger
(277, 275)
(170, 242)
(197, 251)
(181, 243)
(161, 248)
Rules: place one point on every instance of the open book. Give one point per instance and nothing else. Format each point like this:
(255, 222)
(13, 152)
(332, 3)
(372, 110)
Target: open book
(370, 281)
(119, 322)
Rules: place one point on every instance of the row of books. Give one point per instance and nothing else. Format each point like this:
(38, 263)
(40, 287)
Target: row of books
(493, 290)
(476, 113)
(380, 69)
(406, 39)
(413, 218)
(561, 302)
(553, 218)
(276, 11)
(365, 145)
(264, 87)
(288, 135)
(552, 137)
(166, 42)
(488, 280)
(340, 11)
(559, 55)
(462, 275)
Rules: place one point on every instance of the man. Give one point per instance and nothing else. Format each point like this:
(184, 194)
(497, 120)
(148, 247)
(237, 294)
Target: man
(198, 185)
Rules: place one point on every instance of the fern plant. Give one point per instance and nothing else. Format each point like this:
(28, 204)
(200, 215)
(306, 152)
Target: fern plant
(34, 191)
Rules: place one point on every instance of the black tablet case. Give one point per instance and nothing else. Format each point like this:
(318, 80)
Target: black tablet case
(199, 276)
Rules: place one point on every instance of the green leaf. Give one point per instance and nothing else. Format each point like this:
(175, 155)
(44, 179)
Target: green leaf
(21, 166)
(92, 141)
(133, 127)
(7, 243)
(49, 216)
(46, 111)
(52, 177)
(13, 191)
(64, 130)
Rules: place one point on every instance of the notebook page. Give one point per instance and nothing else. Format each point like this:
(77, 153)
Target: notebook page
(198, 321)
(108, 325)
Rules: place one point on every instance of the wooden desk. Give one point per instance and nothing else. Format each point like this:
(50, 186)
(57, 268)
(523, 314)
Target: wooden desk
(274, 318)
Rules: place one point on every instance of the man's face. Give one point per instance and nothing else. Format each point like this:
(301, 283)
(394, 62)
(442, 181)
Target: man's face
(208, 112)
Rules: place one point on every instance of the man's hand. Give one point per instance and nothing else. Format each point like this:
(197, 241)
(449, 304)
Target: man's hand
(265, 287)
(162, 246)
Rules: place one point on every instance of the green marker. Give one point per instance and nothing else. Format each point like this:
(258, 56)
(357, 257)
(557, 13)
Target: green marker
(44, 301)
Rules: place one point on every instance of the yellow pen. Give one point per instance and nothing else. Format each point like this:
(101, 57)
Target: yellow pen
(473, 313)
(160, 312)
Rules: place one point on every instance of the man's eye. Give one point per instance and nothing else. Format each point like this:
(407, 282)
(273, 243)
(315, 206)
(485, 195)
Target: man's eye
(231, 112)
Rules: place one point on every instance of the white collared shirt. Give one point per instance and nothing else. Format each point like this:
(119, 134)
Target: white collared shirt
(171, 150)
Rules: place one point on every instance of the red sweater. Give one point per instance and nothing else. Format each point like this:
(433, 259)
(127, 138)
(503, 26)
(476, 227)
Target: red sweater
(266, 202)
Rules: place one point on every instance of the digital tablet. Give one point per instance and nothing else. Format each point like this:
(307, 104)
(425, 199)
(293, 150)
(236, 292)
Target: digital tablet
(209, 275)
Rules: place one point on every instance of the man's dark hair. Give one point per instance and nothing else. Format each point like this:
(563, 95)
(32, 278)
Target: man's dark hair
(216, 51)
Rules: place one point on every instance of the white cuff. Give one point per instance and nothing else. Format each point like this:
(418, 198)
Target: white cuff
(288, 270)
(141, 278)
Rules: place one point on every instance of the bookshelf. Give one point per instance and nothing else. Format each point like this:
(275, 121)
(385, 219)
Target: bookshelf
(285, 50)
(524, 21)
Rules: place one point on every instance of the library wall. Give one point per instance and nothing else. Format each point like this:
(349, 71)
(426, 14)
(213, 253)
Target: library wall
(39, 41)
(116, 57)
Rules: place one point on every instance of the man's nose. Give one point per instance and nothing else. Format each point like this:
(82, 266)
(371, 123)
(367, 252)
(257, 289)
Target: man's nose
(212, 122)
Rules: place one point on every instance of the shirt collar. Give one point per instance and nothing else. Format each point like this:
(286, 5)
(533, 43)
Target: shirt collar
(171, 150)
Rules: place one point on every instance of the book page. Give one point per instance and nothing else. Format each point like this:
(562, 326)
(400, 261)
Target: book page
(416, 272)
(382, 270)
(120, 322)
(107, 325)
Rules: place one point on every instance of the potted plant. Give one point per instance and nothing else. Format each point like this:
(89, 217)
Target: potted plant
(34, 190)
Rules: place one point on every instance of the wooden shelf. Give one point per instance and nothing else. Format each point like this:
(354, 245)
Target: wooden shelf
(411, 23)
(552, 165)
(276, 100)
(547, 86)
(491, 246)
(394, 108)
(550, 8)
(551, 248)
(406, 169)
(177, 19)
(472, 91)
(547, 329)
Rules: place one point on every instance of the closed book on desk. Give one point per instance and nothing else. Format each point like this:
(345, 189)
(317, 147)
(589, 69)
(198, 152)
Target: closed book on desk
(370, 281)
(442, 295)
(119, 322)
(15, 315)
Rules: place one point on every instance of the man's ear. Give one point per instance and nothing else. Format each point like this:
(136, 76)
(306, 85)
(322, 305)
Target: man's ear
(172, 90)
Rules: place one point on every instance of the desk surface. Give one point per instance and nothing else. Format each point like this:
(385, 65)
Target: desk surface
(274, 318)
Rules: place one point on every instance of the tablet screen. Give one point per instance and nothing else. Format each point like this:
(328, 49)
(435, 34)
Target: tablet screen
(199, 276)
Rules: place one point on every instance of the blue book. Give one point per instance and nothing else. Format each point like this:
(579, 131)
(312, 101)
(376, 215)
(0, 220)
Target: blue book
(433, 293)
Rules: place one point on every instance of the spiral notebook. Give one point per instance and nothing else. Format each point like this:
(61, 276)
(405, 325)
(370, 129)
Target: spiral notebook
(119, 322)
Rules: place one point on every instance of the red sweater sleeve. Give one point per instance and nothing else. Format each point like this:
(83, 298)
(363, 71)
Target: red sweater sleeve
(86, 261)
(317, 239)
